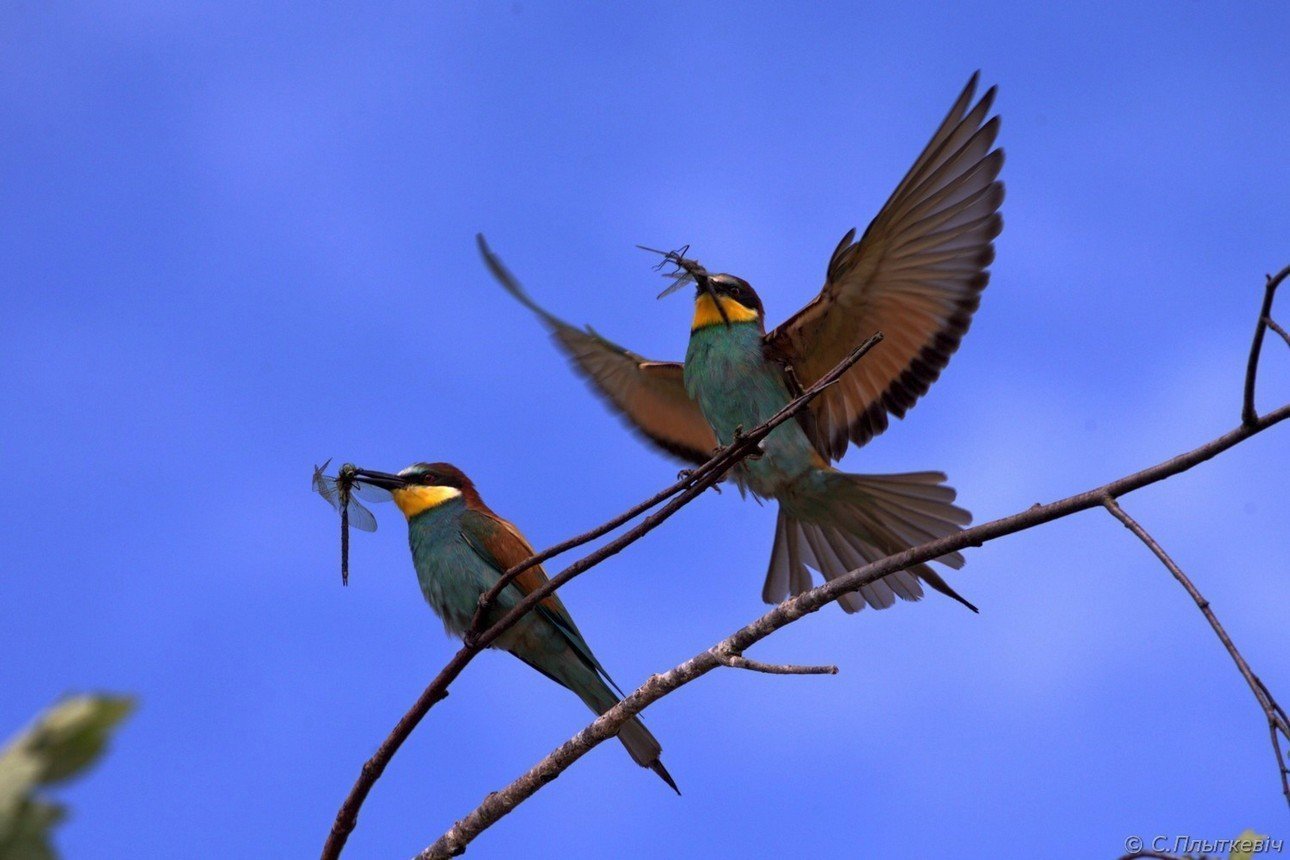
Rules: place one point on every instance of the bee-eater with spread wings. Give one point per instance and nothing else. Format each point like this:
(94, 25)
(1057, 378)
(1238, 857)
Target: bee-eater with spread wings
(460, 548)
(916, 275)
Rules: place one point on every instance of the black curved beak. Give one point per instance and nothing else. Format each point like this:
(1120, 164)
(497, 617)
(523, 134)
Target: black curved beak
(686, 270)
(703, 282)
(384, 480)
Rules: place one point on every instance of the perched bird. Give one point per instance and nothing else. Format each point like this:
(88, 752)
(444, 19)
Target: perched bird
(460, 549)
(916, 275)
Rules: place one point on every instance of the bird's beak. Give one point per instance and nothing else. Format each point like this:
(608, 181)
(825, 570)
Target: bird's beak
(384, 480)
(705, 284)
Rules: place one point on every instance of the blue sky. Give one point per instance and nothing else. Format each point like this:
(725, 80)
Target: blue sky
(238, 241)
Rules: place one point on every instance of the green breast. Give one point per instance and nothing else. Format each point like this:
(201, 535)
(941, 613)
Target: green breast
(728, 375)
(450, 573)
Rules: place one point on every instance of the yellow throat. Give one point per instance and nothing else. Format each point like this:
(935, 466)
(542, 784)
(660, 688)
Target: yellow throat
(416, 499)
(706, 313)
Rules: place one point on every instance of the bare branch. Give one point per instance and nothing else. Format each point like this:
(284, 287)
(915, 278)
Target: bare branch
(694, 481)
(1278, 724)
(739, 661)
(1248, 415)
(685, 490)
(499, 803)
(1272, 324)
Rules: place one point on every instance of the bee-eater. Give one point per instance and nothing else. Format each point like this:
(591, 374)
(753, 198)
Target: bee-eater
(916, 275)
(460, 548)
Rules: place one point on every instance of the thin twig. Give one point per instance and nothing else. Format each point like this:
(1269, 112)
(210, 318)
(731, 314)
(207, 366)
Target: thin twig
(685, 490)
(487, 599)
(703, 477)
(499, 803)
(1248, 415)
(1277, 721)
(696, 480)
(739, 661)
(1272, 324)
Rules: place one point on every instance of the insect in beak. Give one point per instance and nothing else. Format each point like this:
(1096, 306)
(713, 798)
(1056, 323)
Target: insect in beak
(687, 271)
(340, 493)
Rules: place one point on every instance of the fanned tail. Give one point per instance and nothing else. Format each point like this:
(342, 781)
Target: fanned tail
(841, 521)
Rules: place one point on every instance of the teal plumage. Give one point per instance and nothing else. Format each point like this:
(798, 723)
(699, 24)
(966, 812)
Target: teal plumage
(916, 274)
(727, 374)
(454, 567)
(833, 521)
(460, 549)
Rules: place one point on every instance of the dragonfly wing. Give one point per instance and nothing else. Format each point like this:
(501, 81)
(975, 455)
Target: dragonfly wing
(326, 487)
(370, 493)
(360, 517)
(342, 491)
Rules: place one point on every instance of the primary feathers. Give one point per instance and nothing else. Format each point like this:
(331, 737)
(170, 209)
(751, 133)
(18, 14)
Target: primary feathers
(916, 274)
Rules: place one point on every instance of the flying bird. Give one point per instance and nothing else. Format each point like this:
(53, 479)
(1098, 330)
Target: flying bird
(460, 548)
(916, 275)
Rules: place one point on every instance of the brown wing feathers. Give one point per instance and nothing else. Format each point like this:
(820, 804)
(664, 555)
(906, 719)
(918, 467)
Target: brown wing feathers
(508, 547)
(649, 395)
(916, 274)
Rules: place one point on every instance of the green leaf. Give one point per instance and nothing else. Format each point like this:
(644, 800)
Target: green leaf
(26, 836)
(1246, 844)
(73, 733)
(62, 743)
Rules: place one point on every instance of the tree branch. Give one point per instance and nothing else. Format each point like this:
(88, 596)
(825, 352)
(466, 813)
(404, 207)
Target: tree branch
(1272, 324)
(1248, 415)
(739, 661)
(697, 480)
(1278, 724)
(499, 803)
(684, 491)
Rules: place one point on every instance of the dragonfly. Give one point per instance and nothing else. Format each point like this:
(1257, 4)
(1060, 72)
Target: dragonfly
(686, 271)
(340, 492)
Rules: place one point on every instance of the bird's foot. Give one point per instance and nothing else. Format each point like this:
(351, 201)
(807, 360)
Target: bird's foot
(738, 437)
(687, 474)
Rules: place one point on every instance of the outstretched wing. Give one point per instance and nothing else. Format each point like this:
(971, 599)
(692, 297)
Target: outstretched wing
(916, 275)
(650, 395)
